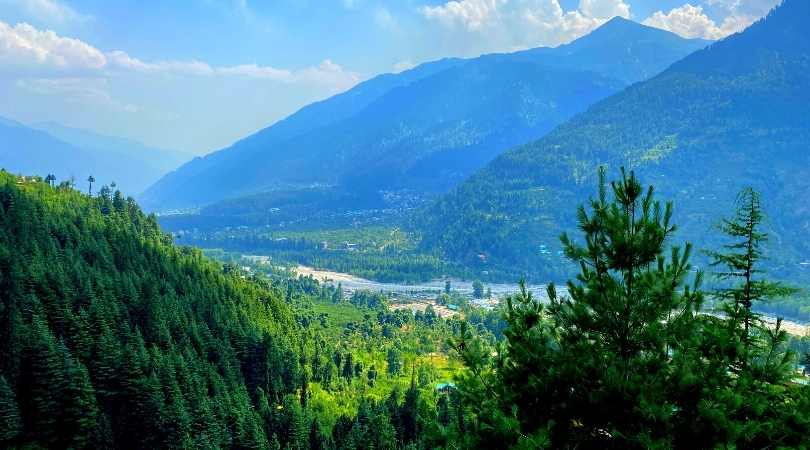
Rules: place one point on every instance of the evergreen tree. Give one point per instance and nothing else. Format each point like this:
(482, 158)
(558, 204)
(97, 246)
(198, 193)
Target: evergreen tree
(316, 439)
(394, 358)
(79, 411)
(44, 379)
(10, 422)
(478, 289)
(740, 263)
(604, 365)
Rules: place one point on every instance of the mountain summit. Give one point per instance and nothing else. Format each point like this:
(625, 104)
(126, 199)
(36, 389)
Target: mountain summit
(426, 129)
(729, 116)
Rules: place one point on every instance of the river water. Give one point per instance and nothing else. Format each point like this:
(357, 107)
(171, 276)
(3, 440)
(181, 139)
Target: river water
(431, 289)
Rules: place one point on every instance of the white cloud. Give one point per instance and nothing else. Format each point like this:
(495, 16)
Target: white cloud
(25, 47)
(688, 21)
(692, 21)
(751, 8)
(471, 14)
(330, 74)
(121, 61)
(514, 24)
(326, 73)
(255, 71)
(604, 9)
(51, 12)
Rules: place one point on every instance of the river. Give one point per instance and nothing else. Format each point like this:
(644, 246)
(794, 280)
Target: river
(431, 289)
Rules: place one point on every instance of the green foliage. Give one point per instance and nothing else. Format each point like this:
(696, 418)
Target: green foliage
(740, 261)
(626, 359)
(10, 423)
(478, 289)
(375, 253)
(118, 338)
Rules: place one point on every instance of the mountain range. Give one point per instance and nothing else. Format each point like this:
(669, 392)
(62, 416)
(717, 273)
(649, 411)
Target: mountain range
(727, 117)
(46, 148)
(424, 130)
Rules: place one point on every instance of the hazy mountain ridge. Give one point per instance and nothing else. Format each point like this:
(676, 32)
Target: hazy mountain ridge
(430, 127)
(161, 160)
(726, 117)
(67, 152)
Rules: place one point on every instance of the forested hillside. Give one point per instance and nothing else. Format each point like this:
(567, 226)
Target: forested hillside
(115, 338)
(430, 128)
(729, 116)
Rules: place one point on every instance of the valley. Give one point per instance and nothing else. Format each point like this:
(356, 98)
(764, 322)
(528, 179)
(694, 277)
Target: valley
(465, 224)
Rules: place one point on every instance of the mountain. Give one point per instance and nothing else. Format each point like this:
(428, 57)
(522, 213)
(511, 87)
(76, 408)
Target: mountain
(160, 160)
(426, 129)
(67, 153)
(115, 338)
(726, 117)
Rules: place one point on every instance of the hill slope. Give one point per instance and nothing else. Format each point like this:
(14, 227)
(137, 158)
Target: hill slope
(75, 153)
(426, 129)
(115, 338)
(726, 117)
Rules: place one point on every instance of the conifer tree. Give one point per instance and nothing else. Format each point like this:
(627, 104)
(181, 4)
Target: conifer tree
(10, 422)
(602, 365)
(79, 410)
(740, 267)
(44, 380)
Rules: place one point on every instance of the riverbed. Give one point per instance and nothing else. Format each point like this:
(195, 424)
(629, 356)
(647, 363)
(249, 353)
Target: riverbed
(431, 289)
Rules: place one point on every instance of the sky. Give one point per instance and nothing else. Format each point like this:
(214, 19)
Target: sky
(197, 75)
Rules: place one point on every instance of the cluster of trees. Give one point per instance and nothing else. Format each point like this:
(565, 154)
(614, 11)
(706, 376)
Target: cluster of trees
(113, 332)
(116, 338)
(368, 299)
(628, 359)
(120, 339)
(368, 257)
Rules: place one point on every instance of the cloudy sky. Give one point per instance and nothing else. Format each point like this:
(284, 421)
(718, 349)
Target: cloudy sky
(198, 74)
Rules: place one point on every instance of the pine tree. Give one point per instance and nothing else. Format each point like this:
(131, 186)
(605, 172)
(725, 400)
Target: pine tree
(408, 413)
(10, 421)
(316, 439)
(740, 263)
(605, 364)
(44, 383)
(80, 412)
(274, 443)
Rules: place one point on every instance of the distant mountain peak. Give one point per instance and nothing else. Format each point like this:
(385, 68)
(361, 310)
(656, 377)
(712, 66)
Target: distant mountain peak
(620, 21)
(621, 28)
(725, 117)
(379, 135)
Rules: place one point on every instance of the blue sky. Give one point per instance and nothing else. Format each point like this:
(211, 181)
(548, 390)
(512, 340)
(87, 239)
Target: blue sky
(198, 74)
